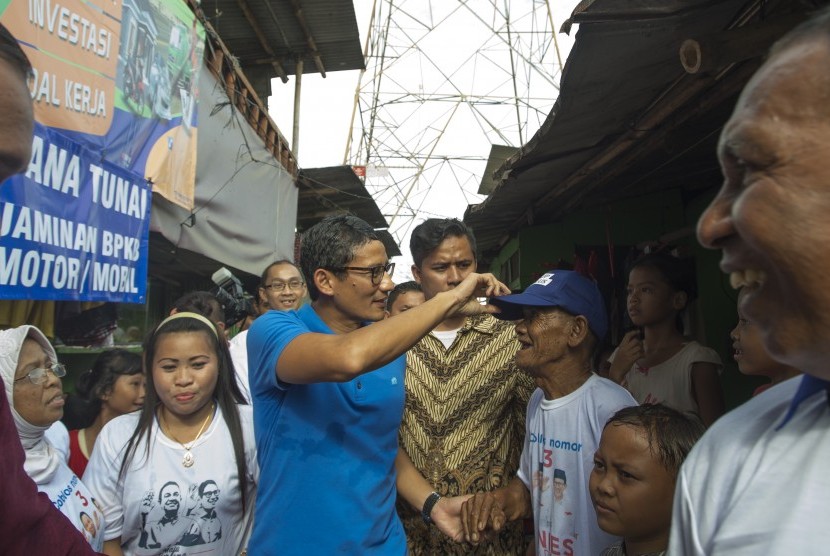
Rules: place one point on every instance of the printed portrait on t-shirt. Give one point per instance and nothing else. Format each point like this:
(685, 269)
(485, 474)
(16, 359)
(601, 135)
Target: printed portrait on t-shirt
(564, 506)
(90, 530)
(205, 512)
(560, 483)
(174, 519)
(540, 481)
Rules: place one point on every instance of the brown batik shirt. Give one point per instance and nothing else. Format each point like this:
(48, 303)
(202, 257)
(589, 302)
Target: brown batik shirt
(463, 425)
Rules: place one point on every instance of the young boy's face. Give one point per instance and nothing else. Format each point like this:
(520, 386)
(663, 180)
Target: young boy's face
(749, 351)
(405, 302)
(631, 490)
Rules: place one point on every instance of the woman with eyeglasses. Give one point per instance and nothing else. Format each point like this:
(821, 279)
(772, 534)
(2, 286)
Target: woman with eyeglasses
(32, 379)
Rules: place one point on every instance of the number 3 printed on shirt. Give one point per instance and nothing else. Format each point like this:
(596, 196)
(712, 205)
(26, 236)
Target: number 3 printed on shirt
(548, 458)
(84, 501)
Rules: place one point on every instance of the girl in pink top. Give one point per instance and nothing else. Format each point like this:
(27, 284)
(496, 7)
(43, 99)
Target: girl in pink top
(114, 386)
(655, 362)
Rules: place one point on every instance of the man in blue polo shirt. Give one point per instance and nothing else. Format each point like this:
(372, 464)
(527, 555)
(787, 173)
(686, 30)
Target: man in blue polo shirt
(328, 395)
(758, 481)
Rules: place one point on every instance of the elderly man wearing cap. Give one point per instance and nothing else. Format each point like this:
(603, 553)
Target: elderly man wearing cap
(562, 322)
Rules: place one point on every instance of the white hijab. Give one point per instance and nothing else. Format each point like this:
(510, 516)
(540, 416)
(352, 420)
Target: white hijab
(42, 460)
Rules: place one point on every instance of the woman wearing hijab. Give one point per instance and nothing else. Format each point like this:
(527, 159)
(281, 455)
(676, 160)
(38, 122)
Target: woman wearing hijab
(32, 381)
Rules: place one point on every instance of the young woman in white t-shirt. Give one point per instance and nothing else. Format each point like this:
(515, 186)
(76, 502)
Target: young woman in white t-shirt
(179, 476)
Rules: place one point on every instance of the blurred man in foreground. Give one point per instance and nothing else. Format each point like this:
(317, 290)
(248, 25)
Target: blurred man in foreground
(29, 522)
(757, 481)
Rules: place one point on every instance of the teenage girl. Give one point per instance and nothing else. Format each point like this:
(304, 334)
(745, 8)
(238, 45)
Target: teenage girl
(179, 476)
(114, 386)
(750, 355)
(655, 362)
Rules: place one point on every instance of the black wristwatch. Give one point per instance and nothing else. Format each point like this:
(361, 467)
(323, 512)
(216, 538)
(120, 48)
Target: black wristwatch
(430, 502)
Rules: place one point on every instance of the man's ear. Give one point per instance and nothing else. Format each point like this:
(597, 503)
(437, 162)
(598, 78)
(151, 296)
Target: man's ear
(416, 273)
(579, 331)
(324, 280)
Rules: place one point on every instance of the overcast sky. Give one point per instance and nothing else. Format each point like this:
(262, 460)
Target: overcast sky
(440, 49)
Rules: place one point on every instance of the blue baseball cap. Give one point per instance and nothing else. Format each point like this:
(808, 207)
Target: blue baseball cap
(566, 289)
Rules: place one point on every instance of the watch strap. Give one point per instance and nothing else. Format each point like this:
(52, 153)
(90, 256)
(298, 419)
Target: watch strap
(430, 502)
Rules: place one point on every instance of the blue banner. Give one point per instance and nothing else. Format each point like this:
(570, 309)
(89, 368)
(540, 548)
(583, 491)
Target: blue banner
(115, 97)
(74, 226)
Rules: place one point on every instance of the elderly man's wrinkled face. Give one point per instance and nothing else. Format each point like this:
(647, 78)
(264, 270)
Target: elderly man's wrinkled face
(771, 216)
(543, 338)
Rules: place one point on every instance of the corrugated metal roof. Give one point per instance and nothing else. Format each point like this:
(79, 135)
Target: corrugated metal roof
(338, 190)
(392, 248)
(312, 30)
(499, 154)
(628, 117)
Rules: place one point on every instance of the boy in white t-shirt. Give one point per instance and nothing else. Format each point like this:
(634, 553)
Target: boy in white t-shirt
(635, 471)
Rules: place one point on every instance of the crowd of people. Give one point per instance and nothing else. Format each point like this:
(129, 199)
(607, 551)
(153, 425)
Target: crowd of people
(448, 415)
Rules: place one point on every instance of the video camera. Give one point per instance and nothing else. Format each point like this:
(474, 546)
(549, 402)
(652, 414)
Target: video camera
(231, 295)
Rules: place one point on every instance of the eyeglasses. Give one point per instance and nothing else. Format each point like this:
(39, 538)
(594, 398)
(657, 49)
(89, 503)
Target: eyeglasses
(375, 272)
(211, 494)
(38, 376)
(295, 285)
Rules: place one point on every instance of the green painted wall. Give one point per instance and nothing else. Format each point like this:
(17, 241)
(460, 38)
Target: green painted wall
(497, 264)
(628, 222)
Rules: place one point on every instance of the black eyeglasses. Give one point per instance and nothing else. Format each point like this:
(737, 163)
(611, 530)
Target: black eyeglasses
(295, 285)
(376, 273)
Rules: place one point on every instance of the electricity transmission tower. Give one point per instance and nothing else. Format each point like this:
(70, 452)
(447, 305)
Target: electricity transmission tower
(445, 80)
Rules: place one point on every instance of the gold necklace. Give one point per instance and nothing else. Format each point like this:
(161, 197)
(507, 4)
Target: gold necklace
(188, 460)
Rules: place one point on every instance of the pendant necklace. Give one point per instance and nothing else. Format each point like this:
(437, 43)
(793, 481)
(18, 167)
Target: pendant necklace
(188, 460)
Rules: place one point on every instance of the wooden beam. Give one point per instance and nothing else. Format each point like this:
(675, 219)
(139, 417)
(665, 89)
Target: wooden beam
(312, 45)
(263, 41)
(713, 52)
(222, 63)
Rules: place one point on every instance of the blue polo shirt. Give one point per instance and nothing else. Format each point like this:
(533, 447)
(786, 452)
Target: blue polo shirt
(326, 451)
